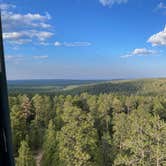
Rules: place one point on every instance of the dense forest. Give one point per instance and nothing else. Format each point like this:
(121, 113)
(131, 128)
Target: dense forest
(89, 129)
(47, 86)
(75, 87)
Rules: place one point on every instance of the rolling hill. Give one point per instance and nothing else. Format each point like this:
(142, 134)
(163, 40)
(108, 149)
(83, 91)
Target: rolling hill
(127, 87)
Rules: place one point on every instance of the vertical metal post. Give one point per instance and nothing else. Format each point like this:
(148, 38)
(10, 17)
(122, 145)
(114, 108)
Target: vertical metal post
(6, 153)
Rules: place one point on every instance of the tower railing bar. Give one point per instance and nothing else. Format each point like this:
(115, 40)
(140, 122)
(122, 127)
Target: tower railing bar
(6, 150)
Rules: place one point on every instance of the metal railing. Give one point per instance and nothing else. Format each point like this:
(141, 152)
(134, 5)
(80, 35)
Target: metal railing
(6, 152)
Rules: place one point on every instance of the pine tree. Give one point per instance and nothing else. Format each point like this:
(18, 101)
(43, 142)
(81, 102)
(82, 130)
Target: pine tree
(107, 150)
(50, 147)
(19, 126)
(78, 138)
(38, 103)
(25, 157)
(157, 143)
(140, 139)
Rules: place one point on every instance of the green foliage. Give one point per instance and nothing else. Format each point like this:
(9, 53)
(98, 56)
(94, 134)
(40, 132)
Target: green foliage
(92, 130)
(50, 147)
(21, 115)
(78, 138)
(74, 87)
(25, 157)
(108, 151)
(139, 139)
(123, 87)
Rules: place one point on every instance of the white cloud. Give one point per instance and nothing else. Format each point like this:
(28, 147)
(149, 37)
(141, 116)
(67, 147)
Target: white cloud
(21, 28)
(13, 35)
(72, 44)
(161, 5)
(12, 20)
(42, 25)
(40, 57)
(16, 59)
(158, 38)
(140, 52)
(29, 17)
(143, 51)
(57, 44)
(41, 35)
(111, 2)
(19, 42)
(43, 43)
(23, 37)
(5, 6)
(77, 44)
(11, 57)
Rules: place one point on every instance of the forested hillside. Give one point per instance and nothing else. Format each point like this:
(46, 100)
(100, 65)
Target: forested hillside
(45, 86)
(91, 130)
(74, 87)
(126, 87)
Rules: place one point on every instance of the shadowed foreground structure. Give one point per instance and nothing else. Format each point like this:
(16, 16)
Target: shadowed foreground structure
(6, 156)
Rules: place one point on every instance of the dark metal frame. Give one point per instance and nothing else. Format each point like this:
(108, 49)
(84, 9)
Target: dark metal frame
(6, 152)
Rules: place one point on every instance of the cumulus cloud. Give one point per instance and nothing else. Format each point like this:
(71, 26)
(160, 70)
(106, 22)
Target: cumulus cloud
(140, 52)
(5, 6)
(43, 43)
(23, 37)
(40, 57)
(16, 59)
(11, 57)
(57, 44)
(111, 2)
(77, 44)
(143, 51)
(29, 17)
(72, 44)
(21, 28)
(12, 20)
(158, 38)
(161, 5)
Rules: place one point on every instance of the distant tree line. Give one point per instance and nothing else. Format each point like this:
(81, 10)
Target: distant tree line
(146, 87)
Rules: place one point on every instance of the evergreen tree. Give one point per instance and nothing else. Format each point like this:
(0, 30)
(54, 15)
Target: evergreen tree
(107, 150)
(36, 135)
(157, 142)
(89, 130)
(50, 147)
(140, 139)
(19, 126)
(25, 157)
(78, 138)
(40, 114)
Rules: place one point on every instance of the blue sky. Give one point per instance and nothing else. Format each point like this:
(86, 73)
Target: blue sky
(84, 39)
